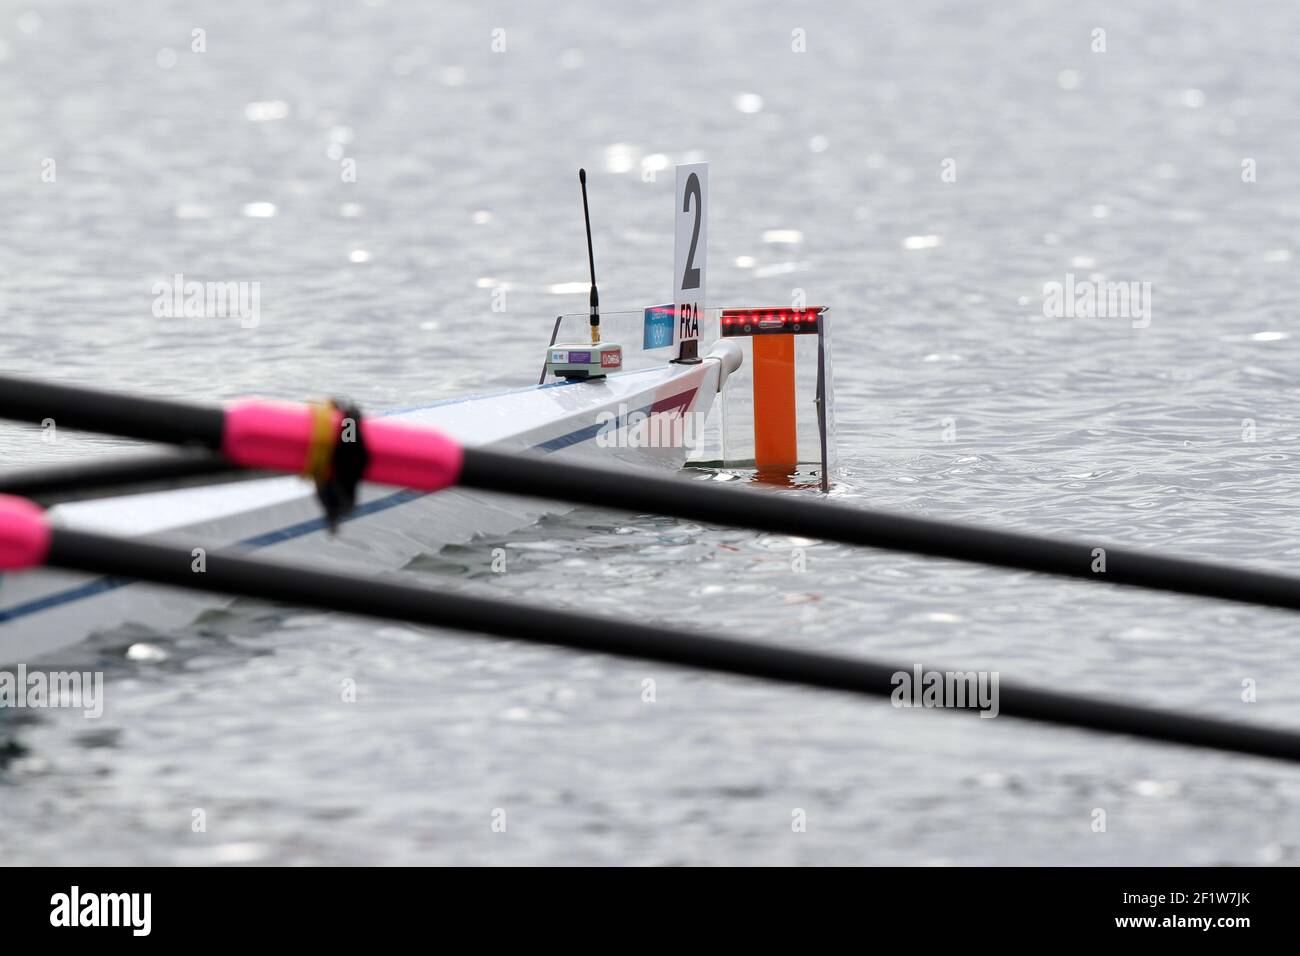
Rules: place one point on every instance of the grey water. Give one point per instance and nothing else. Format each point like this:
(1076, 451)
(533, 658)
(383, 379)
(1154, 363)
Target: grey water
(398, 178)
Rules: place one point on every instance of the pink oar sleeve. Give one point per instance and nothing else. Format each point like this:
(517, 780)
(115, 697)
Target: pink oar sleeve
(411, 457)
(24, 534)
(278, 435)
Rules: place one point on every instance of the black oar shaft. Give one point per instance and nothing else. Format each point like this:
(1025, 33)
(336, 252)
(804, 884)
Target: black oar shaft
(825, 521)
(250, 578)
(118, 475)
(147, 419)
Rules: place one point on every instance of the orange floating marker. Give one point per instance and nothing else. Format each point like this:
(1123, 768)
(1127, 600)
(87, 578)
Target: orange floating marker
(772, 334)
(776, 444)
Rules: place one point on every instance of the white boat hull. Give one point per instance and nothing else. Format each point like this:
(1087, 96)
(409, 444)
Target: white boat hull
(44, 611)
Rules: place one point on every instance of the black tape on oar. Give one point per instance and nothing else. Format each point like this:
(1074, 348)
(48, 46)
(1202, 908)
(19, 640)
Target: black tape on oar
(336, 484)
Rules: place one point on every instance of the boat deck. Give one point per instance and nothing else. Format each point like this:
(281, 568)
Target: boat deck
(44, 611)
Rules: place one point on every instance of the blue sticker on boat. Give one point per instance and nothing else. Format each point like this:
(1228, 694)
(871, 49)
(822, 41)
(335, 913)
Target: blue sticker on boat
(658, 327)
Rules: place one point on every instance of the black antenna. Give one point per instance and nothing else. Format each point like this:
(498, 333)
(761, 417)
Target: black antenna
(591, 261)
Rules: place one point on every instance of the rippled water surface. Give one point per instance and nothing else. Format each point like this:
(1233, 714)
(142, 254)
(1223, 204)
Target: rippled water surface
(825, 176)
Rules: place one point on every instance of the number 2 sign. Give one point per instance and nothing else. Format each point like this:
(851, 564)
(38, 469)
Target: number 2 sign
(690, 256)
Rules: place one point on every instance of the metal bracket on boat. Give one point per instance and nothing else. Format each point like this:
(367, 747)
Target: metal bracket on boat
(336, 459)
(688, 353)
